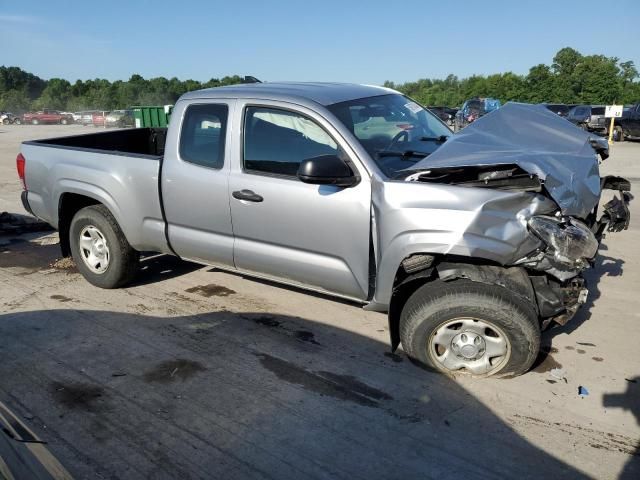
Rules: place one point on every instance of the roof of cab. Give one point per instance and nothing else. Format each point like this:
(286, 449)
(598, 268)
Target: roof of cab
(322, 93)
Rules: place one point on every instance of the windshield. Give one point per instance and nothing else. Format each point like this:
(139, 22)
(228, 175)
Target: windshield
(396, 131)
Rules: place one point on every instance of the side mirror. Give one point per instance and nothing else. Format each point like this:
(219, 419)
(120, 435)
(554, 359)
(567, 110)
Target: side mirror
(326, 170)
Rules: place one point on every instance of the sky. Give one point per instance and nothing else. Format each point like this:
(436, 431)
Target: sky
(313, 40)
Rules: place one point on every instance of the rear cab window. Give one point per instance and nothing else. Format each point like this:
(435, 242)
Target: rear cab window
(276, 141)
(202, 137)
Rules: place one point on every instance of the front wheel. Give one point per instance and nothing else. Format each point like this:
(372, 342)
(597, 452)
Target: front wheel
(34, 122)
(469, 327)
(618, 134)
(17, 121)
(6, 121)
(100, 250)
(64, 121)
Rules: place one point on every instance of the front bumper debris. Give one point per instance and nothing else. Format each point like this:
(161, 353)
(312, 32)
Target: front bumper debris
(558, 302)
(615, 216)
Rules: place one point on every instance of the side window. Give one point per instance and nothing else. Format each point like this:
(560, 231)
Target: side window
(276, 141)
(203, 135)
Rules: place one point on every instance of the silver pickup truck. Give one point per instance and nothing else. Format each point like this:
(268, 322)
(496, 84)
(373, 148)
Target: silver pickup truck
(473, 243)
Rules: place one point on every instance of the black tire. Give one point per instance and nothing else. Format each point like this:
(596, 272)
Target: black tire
(618, 134)
(6, 121)
(122, 263)
(437, 304)
(17, 121)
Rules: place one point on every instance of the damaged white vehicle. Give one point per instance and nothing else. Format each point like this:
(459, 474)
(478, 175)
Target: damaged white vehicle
(473, 243)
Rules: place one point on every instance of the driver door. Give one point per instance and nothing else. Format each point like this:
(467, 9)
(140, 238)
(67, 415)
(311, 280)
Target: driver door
(314, 236)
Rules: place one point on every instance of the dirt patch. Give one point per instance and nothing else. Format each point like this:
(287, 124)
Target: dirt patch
(77, 395)
(61, 298)
(211, 290)
(581, 351)
(179, 296)
(65, 263)
(586, 344)
(173, 370)
(597, 359)
(341, 387)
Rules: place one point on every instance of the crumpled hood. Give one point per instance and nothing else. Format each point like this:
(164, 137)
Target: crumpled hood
(538, 141)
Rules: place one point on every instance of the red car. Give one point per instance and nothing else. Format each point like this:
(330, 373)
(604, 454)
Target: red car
(47, 116)
(99, 119)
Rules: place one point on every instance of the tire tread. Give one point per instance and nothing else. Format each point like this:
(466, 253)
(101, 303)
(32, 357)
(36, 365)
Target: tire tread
(518, 315)
(127, 263)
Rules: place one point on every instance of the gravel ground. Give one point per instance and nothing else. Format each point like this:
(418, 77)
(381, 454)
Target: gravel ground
(196, 373)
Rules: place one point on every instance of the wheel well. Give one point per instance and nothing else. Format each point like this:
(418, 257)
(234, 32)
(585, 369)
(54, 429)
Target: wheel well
(69, 205)
(450, 268)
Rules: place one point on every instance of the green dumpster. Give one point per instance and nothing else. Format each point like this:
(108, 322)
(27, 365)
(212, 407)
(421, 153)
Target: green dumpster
(152, 116)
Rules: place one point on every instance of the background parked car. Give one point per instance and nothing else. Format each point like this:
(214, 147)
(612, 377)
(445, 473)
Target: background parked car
(47, 116)
(473, 109)
(7, 118)
(627, 126)
(84, 117)
(98, 118)
(446, 114)
(558, 108)
(120, 118)
(588, 117)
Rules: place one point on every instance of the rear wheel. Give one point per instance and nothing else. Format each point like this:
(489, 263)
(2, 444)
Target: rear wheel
(18, 121)
(35, 121)
(64, 121)
(100, 250)
(469, 327)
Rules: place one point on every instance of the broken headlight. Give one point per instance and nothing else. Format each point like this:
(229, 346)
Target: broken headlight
(571, 242)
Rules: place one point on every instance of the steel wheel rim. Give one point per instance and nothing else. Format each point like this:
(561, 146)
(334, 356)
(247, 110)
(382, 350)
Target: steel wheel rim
(469, 345)
(94, 250)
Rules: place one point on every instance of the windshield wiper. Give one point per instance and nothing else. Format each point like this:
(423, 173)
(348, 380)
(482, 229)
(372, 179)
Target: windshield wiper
(440, 139)
(405, 155)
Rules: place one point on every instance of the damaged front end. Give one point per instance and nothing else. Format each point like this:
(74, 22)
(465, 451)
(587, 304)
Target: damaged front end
(570, 248)
(523, 148)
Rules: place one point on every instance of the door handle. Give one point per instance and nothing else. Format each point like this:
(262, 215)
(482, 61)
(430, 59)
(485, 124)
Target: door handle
(247, 195)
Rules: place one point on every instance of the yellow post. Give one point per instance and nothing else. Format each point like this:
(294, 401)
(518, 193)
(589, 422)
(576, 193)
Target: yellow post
(611, 131)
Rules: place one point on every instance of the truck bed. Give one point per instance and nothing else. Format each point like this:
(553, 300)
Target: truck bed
(120, 169)
(130, 142)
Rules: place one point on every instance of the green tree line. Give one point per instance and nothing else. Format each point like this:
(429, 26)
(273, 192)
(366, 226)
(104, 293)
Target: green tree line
(21, 91)
(571, 78)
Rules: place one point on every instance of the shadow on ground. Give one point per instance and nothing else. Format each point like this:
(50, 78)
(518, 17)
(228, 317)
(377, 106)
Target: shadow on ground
(245, 395)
